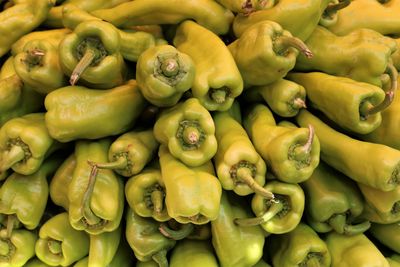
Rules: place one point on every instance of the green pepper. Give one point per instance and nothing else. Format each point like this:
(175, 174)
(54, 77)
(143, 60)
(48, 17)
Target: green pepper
(189, 132)
(74, 112)
(265, 53)
(354, 106)
(145, 239)
(285, 98)
(163, 74)
(192, 194)
(330, 15)
(368, 163)
(234, 245)
(387, 234)
(299, 247)
(354, 250)
(91, 53)
(396, 55)
(217, 80)
(262, 263)
(35, 262)
(25, 142)
(96, 197)
(38, 66)
(207, 13)
(59, 243)
(103, 248)
(20, 19)
(333, 202)
(291, 153)
(149, 263)
(196, 253)
(246, 6)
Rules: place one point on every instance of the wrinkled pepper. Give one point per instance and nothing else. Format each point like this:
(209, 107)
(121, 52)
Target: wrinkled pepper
(189, 132)
(196, 253)
(291, 153)
(118, 108)
(333, 202)
(217, 80)
(96, 196)
(265, 53)
(163, 74)
(368, 163)
(103, 248)
(192, 193)
(387, 234)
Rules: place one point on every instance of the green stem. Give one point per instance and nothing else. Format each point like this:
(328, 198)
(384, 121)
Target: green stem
(333, 8)
(161, 258)
(299, 103)
(191, 135)
(82, 65)
(119, 164)
(303, 152)
(170, 67)
(282, 42)
(88, 214)
(157, 198)
(54, 247)
(313, 262)
(11, 157)
(12, 221)
(183, 232)
(219, 95)
(244, 174)
(339, 223)
(273, 210)
(354, 229)
(4, 248)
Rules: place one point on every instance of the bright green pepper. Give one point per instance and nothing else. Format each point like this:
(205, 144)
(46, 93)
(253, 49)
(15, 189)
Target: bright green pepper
(74, 112)
(103, 248)
(163, 74)
(387, 234)
(35, 262)
(91, 54)
(192, 193)
(291, 153)
(189, 132)
(217, 81)
(196, 253)
(368, 163)
(59, 243)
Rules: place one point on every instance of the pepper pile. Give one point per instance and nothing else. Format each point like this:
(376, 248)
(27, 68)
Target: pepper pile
(230, 133)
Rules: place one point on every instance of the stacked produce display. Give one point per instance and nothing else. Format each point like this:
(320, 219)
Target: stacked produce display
(201, 133)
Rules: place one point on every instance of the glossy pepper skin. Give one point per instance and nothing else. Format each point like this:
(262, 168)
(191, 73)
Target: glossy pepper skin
(35, 262)
(355, 250)
(291, 153)
(265, 53)
(354, 106)
(103, 248)
(217, 80)
(59, 243)
(189, 132)
(96, 196)
(235, 245)
(21, 18)
(300, 247)
(192, 193)
(396, 55)
(163, 74)
(198, 253)
(116, 108)
(333, 202)
(91, 54)
(387, 234)
(207, 13)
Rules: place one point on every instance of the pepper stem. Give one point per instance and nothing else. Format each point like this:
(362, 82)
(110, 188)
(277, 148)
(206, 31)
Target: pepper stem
(333, 8)
(119, 164)
(37, 52)
(286, 41)
(313, 262)
(244, 174)
(11, 223)
(396, 208)
(180, 234)
(273, 210)
(303, 151)
(88, 214)
(157, 198)
(54, 247)
(218, 95)
(170, 67)
(299, 103)
(82, 65)
(11, 157)
(191, 135)
(4, 248)
(339, 223)
(161, 258)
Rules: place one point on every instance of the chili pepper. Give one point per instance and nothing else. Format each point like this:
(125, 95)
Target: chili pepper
(235, 245)
(145, 239)
(74, 112)
(163, 74)
(265, 53)
(396, 55)
(354, 250)
(59, 243)
(379, 169)
(91, 53)
(299, 247)
(333, 202)
(192, 194)
(20, 19)
(217, 80)
(189, 132)
(25, 143)
(35, 262)
(354, 106)
(38, 66)
(285, 98)
(207, 13)
(387, 234)
(292, 154)
(198, 253)
(103, 248)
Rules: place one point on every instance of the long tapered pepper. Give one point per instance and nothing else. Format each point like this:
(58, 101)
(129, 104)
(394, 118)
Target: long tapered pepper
(198, 253)
(387, 234)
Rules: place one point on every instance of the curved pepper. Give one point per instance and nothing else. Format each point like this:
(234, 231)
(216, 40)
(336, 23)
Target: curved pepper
(380, 169)
(217, 81)
(189, 132)
(59, 243)
(103, 248)
(333, 202)
(207, 13)
(330, 15)
(163, 74)
(192, 193)
(91, 53)
(117, 108)
(299, 247)
(96, 197)
(387, 234)
(291, 153)
(198, 253)
(265, 53)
